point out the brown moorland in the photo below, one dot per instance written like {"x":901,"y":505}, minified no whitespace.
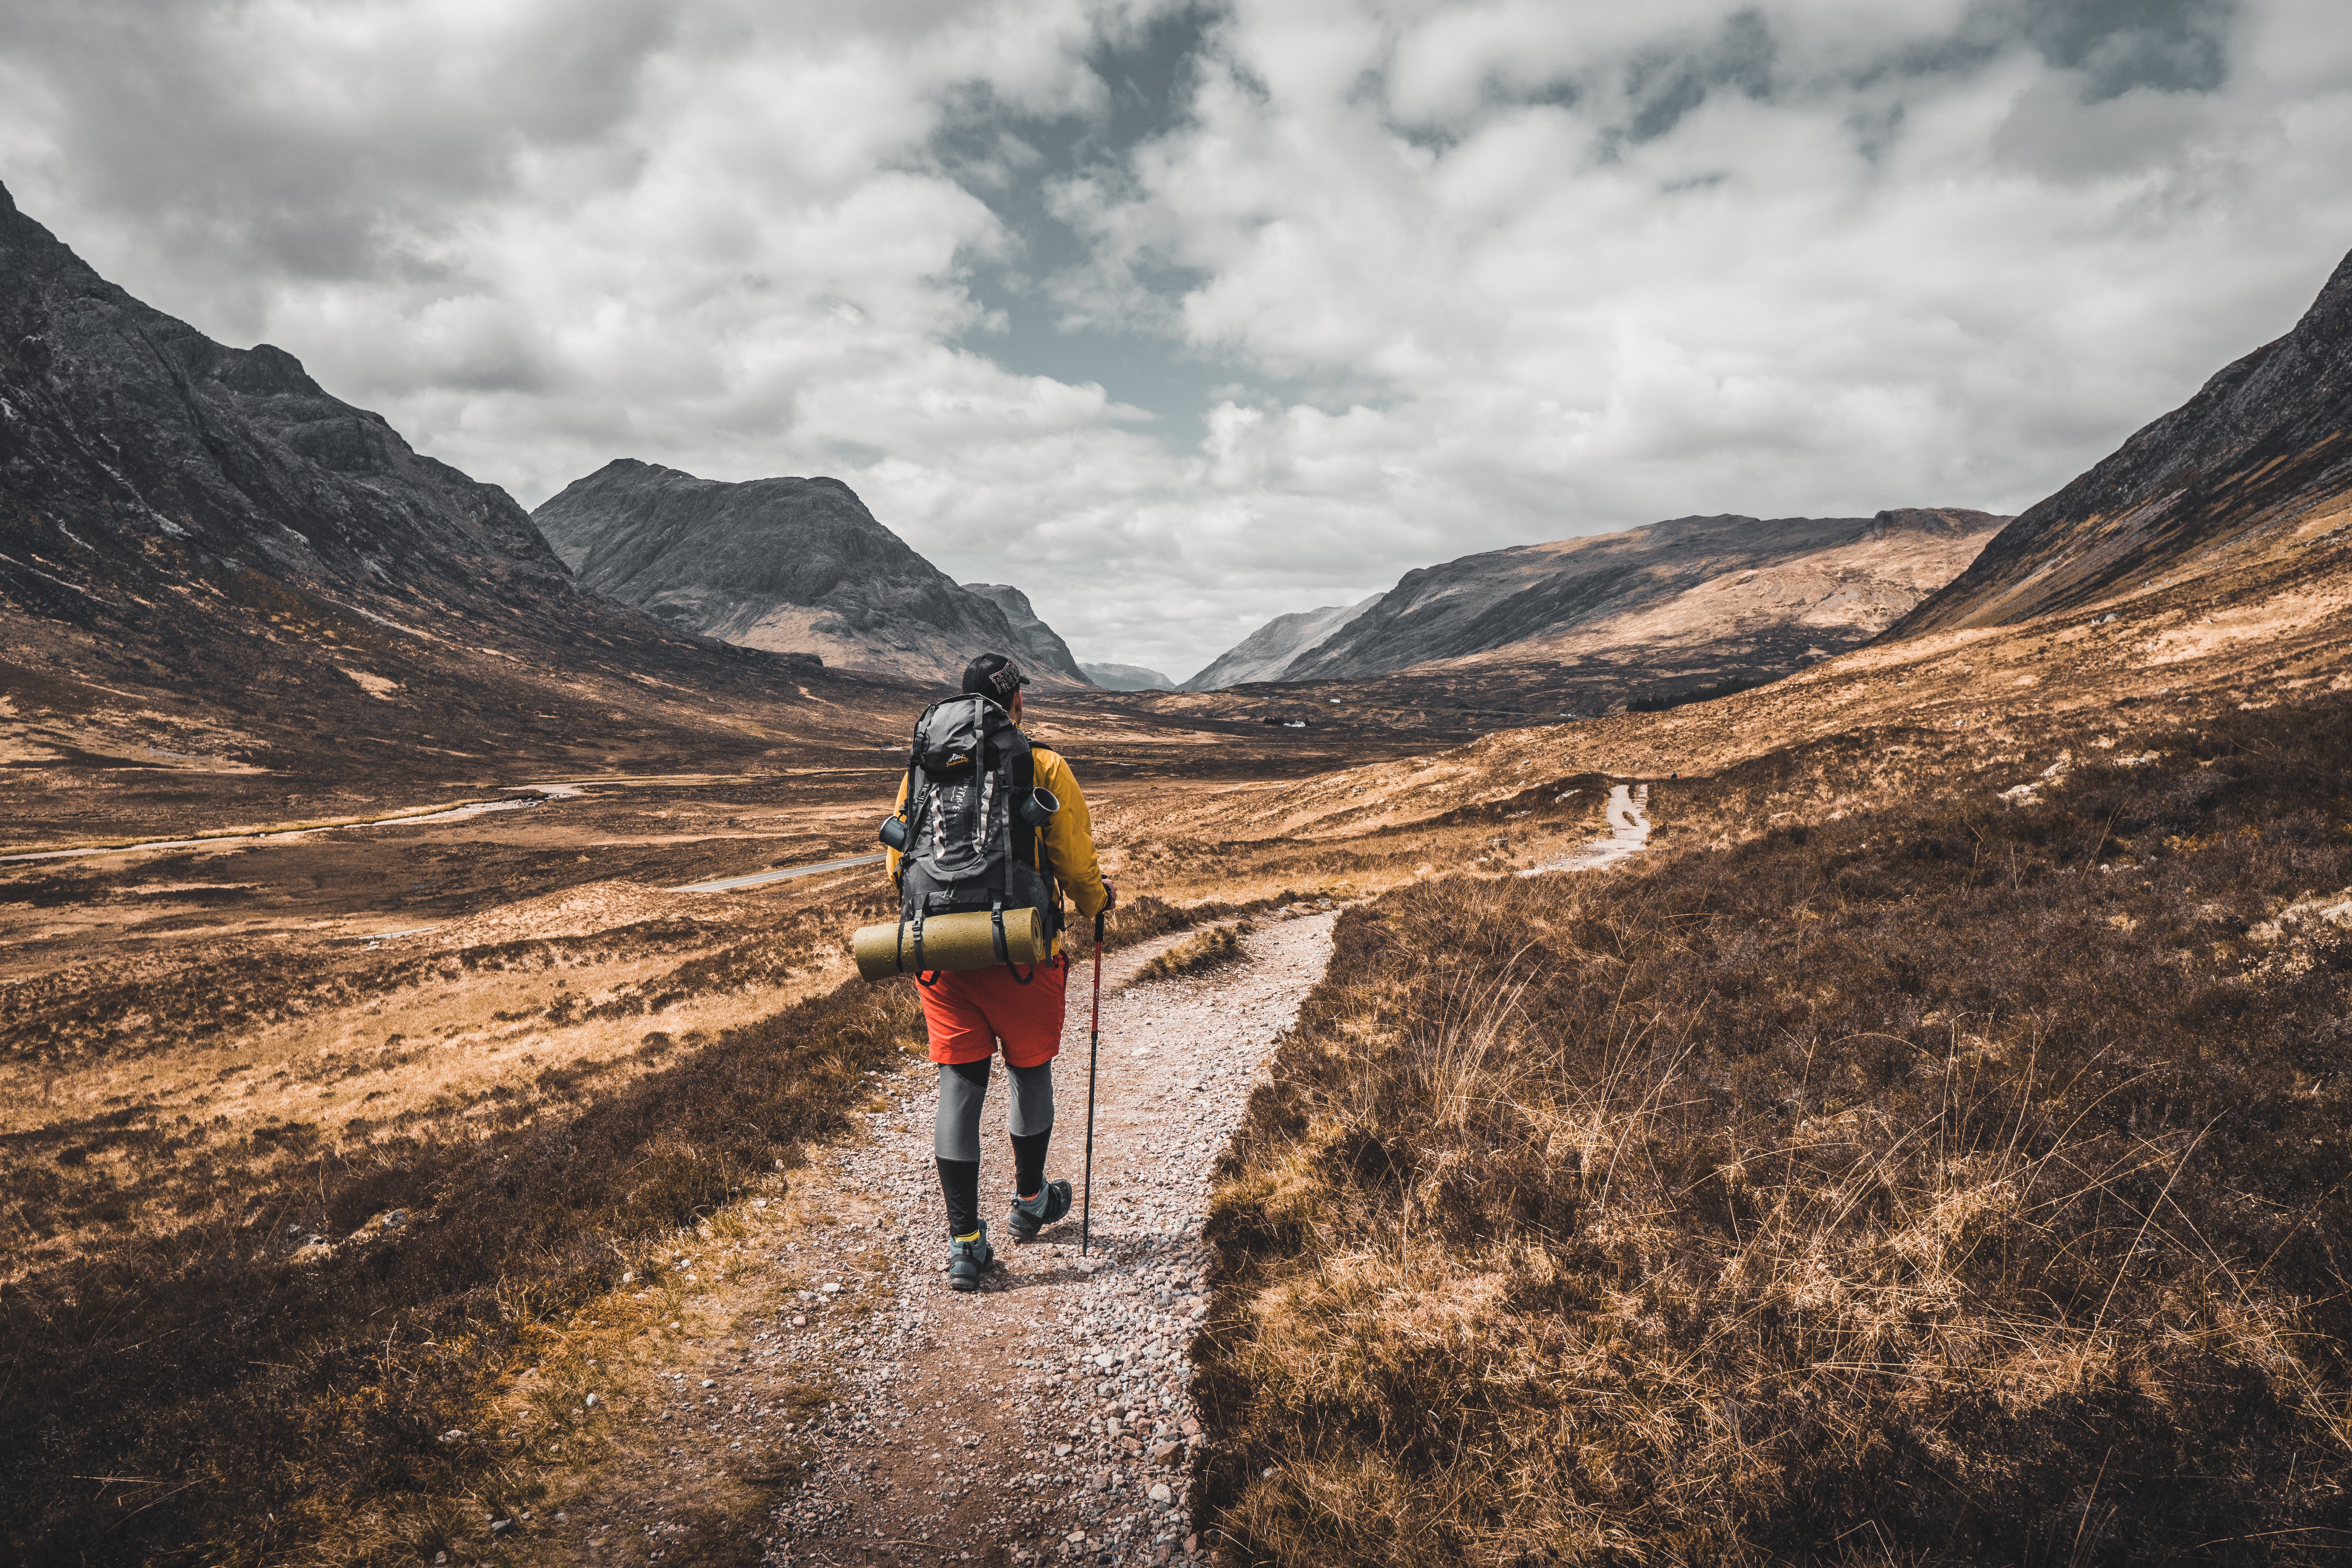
{"x":227,"y":1064}
{"x":1953,"y":1180}
{"x":1863,"y":1162}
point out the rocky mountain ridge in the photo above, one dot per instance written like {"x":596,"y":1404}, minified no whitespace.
{"x":1268,"y":652}
{"x":2259,"y":459}
{"x":1046,"y":649}
{"x":785,"y":564}
{"x":1127,"y":678}
{"x":207,"y":560}
{"x":1611,"y":617}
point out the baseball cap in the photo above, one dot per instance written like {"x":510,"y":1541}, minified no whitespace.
{"x":994,"y":676}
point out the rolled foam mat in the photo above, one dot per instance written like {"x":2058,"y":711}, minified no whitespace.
{"x":951,"y":941}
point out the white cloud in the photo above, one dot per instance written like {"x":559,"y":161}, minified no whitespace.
{"x":1477,"y":273}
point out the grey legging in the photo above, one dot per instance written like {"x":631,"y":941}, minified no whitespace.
{"x":955,"y":1134}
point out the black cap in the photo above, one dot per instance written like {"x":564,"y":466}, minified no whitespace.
{"x":992,"y":674}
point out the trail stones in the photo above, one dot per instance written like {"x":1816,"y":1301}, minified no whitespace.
{"x":1093,"y":1410}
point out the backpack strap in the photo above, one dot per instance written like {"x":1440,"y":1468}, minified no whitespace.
{"x":1003,"y":953}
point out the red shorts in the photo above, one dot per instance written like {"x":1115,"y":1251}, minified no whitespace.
{"x":969,"y":1010}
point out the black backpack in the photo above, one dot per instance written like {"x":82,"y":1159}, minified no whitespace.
{"x":970,"y":835}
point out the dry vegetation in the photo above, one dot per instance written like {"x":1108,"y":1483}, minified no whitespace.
{"x":227,"y":1390}
{"x":1212,"y":949}
{"x":1868,"y":1174}
{"x":1952,"y":1182}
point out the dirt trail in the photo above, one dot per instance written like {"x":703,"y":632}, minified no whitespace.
{"x":821,"y":1348}
{"x":1628,"y":814}
{"x":1044,"y":1414}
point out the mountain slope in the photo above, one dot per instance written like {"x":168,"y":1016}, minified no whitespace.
{"x":1267,"y":652}
{"x":207,"y":562}
{"x":2256,"y":461}
{"x":1044,"y":646}
{"x":1127,"y":678}
{"x":788,"y":564}
{"x":169,"y":452}
{"x":1771,"y":589}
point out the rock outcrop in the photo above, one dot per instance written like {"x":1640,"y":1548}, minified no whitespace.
{"x":2261,"y":451}
{"x":788,"y":564}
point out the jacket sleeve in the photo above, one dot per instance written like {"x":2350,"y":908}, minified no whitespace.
{"x":1070,"y":836}
{"x":890,"y":856}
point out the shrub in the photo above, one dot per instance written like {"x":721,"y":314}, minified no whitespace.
{"x":1906,"y":1183}
{"x":1212,"y":949}
{"x":261,"y":1404}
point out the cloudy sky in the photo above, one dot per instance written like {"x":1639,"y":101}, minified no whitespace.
{"x":1184,"y":315}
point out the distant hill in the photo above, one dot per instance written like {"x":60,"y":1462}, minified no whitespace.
{"x":1266,"y":653}
{"x":206,"y":559}
{"x":1638,"y":615}
{"x":788,"y":565}
{"x":1127,"y":678}
{"x":1043,"y":645}
{"x":2257,"y":459}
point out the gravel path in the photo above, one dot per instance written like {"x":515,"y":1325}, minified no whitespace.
{"x":1628,"y":814}
{"x":1044,"y":1415}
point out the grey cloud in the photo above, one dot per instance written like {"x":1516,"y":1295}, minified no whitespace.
{"x":261,"y":162}
{"x":1669,"y":85}
{"x":1156,"y":310}
{"x":2053,"y":132}
{"x":2172,"y":45}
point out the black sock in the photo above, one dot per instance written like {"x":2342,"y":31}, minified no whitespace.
{"x":960,"y":1185}
{"x":1029,"y":1162}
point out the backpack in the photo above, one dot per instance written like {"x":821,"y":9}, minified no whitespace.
{"x":970,"y":836}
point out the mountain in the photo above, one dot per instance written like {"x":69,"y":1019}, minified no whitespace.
{"x":207,"y":560}
{"x":1267,"y":652}
{"x":1777,"y":587}
{"x":1648,"y":615}
{"x":136,"y":451}
{"x":2257,"y":460}
{"x":788,"y":565}
{"x":1043,"y":645}
{"x":1127,"y":678}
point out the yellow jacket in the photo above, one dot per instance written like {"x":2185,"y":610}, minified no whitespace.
{"x":1069,"y":835}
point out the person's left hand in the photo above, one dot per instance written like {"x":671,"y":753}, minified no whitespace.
{"x":1110,"y":896}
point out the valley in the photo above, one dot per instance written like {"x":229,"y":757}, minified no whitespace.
{"x":1750,"y":1073}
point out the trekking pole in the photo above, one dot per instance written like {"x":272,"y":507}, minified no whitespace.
{"x":1094,"y":1044}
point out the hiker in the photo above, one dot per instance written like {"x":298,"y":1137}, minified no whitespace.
{"x":970,"y":1014}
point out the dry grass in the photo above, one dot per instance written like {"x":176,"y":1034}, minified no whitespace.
{"x":1905,"y":1187}
{"x":1212,"y":949}
{"x":206,"y":1393}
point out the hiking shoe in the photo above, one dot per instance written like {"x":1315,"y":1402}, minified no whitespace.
{"x":1037,"y":1213}
{"x":968,"y":1261}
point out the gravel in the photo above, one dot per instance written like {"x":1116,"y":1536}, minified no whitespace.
{"x":1047,"y":1411}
